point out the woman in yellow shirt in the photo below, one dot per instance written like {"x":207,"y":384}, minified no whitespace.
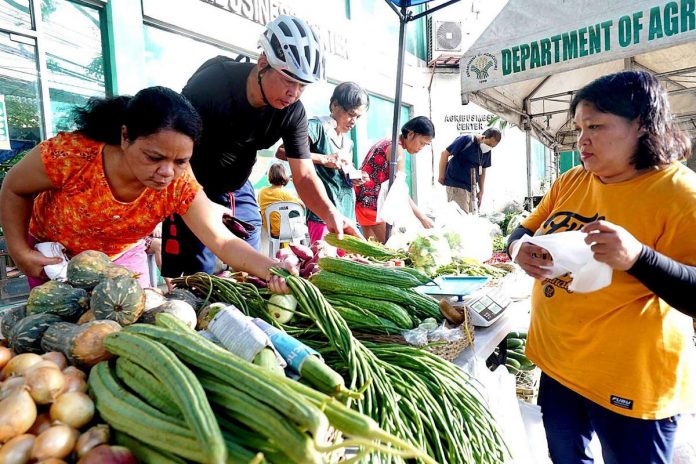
{"x":278,"y":179}
{"x":618,"y":361}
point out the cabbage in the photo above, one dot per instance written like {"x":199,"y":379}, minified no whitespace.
{"x":428,"y":252}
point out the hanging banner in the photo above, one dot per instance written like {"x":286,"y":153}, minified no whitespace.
{"x":4,"y":126}
{"x":570,"y":35}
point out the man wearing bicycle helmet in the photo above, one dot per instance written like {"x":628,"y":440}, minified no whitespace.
{"x":245,"y":108}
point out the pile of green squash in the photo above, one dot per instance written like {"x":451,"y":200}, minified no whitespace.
{"x":73,"y":317}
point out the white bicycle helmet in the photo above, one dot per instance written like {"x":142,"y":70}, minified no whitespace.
{"x":292,"y":47}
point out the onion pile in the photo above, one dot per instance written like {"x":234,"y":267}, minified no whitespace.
{"x":43,"y":408}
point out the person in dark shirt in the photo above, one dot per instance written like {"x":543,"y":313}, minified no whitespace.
{"x":246,"y":108}
{"x":467,"y":153}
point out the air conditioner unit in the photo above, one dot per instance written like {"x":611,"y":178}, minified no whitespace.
{"x":446,"y":36}
{"x":444,"y":39}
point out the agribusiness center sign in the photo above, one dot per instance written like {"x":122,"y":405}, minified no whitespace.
{"x":639,"y":28}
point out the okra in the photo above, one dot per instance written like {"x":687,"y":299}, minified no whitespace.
{"x":331,"y":282}
{"x":389,"y":310}
{"x":253,"y":380}
{"x":264,"y":420}
{"x":128,"y":414}
{"x":178,"y":381}
{"x":146,"y":386}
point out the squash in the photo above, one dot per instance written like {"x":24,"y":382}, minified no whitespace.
{"x":83,"y":345}
{"x":10,"y":319}
{"x":120,"y":299}
{"x":116,"y":270}
{"x":57,"y":298}
{"x":87,"y":316}
{"x":86,"y":269}
{"x":26,"y":335}
{"x":177,"y":308}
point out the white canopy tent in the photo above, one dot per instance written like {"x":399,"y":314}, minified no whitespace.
{"x":536,"y":54}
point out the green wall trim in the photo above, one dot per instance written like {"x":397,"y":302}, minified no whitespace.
{"x":569,"y":159}
{"x":107,"y":48}
{"x":126,"y":44}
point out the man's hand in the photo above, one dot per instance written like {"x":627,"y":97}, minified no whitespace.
{"x":32,"y":262}
{"x":612,"y":244}
{"x":441,"y":179}
{"x":426,"y":222}
{"x":479,"y":198}
{"x":338,"y":224}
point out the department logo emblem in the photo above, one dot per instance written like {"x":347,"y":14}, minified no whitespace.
{"x":480,"y":66}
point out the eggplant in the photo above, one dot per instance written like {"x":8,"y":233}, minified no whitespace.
{"x":303,"y":252}
{"x":235,"y":227}
{"x":309,"y":270}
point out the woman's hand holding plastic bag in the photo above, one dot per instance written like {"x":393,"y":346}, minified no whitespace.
{"x":393,"y":203}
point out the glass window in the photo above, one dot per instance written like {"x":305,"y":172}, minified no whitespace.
{"x":379,"y":126}
{"x":74,"y":57}
{"x":15,"y":14}
{"x":170,"y":58}
{"x":383,"y":25}
{"x":20,"y":90}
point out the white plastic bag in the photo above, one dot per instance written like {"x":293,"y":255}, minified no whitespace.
{"x":571,"y":254}
{"x":401,"y":237}
{"x":468,"y":235}
{"x":685,"y":441}
{"x":54,"y":250}
{"x":498,"y":391}
{"x":536,"y":434}
{"x":393,"y":204}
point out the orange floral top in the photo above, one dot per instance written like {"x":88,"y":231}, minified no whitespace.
{"x":82,"y":213}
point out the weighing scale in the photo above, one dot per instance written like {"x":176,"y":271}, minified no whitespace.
{"x":485,"y":305}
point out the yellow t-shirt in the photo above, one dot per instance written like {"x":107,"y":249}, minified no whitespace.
{"x":622,"y":347}
{"x":268,"y":195}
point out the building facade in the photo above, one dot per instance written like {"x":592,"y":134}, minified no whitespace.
{"x":56,"y":54}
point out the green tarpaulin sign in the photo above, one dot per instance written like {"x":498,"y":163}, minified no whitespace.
{"x":570,"y":35}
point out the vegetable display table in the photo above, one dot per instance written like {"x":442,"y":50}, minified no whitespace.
{"x":486,"y":339}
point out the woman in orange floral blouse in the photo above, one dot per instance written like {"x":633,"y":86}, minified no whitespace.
{"x":108,"y":184}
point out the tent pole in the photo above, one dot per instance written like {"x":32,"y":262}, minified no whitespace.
{"x":528,"y":134}
{"x":403,"y":19}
